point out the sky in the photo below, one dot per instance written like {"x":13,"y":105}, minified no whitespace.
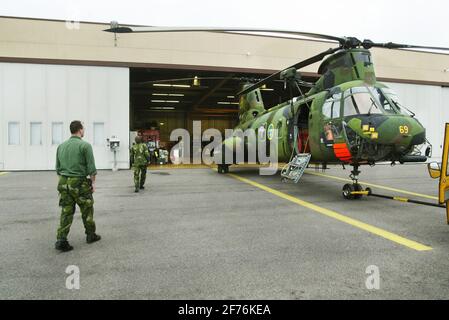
{"x":418,"y":22}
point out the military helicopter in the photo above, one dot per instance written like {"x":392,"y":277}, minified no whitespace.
{"x":347,"y":117}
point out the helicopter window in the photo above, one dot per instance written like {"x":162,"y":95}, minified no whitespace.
{"x":349,"y":108}
{"x":360,"y":101}
{"x":279,"y":127}
{"x":362,"y":56}
{"x":262,"y":131}
{"x":336,"y":109}
{"x":331,"y":108}
{"x":327,"y":109}
{"x":381,"y":98}
{"x":395,"y":102}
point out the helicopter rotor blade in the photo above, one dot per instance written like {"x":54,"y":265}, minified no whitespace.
{"x":218,"y":29}
{"x":298,"y":65}
{"x":198,"y":78}
{"x":367,"y":44}
{"x":345,"y":42}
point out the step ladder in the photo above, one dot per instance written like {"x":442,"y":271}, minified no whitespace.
{"x":294,"y":169}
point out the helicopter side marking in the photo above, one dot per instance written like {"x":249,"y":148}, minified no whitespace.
{"x":342,"y":152}
{"x":338,"y":216}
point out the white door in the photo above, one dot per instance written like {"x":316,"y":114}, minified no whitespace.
{"x":39,"y":101}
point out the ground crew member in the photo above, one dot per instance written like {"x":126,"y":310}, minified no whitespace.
{"x":140,"y":156}
{"x":74,"y":164}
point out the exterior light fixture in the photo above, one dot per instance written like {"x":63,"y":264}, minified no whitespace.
{"x":162,"y":108}
{"x":227,"y":102}
{"x":196,"y":81}
{"x":171,"y":85}
{"x":165,"y":101}
{"x":264,"y":88}
{"x":168,"y":94}
{"x":161,"y":85}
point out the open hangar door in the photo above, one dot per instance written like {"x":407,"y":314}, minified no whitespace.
{"x":161,"y":106}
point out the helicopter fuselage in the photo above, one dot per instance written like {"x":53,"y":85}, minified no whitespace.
{"x":347,"y":117}
{"x":352,"y":123}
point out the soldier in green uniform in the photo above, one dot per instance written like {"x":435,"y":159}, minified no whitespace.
{"x":140,"y":156}
{"x":74,"y":164}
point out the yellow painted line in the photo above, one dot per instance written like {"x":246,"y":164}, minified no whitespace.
{"x":374,"y":185}
{"x":174,"y":166}
{"x":3,"y":173}
{"x":335,"y":215}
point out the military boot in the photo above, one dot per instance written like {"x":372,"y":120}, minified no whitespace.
{"x":92,"y":237}
{"x":63,"y":245}
{"x":142,"y":187}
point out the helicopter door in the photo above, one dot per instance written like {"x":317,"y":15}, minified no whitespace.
{"x":331,"y":130}
{"x":302,"y":138}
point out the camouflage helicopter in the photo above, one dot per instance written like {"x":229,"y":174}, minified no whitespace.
{"x":347,"y":117}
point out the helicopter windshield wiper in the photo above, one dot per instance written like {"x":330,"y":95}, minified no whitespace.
{"x":412,"y":114}
{"x":372,"y":104}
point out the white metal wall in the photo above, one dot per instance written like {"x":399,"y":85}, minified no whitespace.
{"x":431,"y":106}
{"x":49,"y":94}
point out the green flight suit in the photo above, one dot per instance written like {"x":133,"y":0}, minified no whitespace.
{"x":140,"y":156}
{"x":74,"y":162}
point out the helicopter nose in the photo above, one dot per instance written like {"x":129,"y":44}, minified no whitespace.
{"x":400,"y":131}
{"x":386,"y":136}
{"x":403,"y":132}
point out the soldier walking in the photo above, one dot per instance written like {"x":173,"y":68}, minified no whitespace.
{"x":140,"y":156}
{"x":75,"y":166}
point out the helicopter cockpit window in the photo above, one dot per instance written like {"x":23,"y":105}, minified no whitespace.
{"x":381,"y":98}
{"x":362,"y":56}
{"x":359,"y":100}
{"x":331,"y":108}
{"x":396,"y":104}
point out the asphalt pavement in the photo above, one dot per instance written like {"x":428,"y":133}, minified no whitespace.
{"x":196,"y":234}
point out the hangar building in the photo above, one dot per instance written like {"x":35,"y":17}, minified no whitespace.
{"x":52,"y":72}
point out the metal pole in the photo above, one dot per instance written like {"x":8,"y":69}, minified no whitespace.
{"x":114,"y":167}
{"x":447,"y":211}
{"x":408,"y":200}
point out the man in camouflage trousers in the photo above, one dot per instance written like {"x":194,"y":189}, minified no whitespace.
{"x":140,"y":156}
{"x":74,"y":163}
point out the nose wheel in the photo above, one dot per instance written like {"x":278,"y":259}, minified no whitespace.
{"x":353,"y":191}
{"x":350,"y":191}
{"x":223,"y":168}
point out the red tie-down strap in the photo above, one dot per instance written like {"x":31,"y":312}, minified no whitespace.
{"x":342,"y":152}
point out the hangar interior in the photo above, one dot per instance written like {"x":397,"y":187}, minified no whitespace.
{"x":167,"y":99}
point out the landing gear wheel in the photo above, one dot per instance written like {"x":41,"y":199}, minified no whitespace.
{"x":357,"y":187}
{"x":347,"y":191}
{"x":223,"y":168}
